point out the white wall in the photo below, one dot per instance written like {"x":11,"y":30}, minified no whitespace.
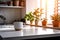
{"x":31,"y":5}
{"x":10,"y":14}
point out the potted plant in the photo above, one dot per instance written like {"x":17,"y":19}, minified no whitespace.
{"x":37,"y":14}
{"x":56,"y":19}
{"x":44,"y":22}
{"x":29,"y":17}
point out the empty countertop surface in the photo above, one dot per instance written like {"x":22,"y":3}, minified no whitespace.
{"x":29,"y":32}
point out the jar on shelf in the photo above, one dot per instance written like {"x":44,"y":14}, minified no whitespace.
{"x":22,"y":3}
{"x":11,"y":3}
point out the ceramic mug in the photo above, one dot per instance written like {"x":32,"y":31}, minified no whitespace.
{"x":18,"y":25}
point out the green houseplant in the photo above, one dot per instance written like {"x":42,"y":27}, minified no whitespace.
{"x":29,"y":17}
{"x":56,"y":20}
{"x":37,"y":14}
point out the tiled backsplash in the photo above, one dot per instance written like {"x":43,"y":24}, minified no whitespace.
{"x":10,"y":14}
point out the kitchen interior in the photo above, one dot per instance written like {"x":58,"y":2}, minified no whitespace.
{"x":12,"y":11}
{"x":15,"y":10}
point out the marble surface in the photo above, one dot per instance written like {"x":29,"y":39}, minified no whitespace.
{"x":27,"y":31}
{"x":7,"y":26}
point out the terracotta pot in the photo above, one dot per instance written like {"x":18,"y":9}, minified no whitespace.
{"x":44,"y":22}
{"x":55,"y":23}
{"x":22,"y":3}
{"x":59,"y":24}
{"x":16,"y":2}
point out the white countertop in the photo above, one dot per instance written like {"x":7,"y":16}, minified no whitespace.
{"x":27,"y":31}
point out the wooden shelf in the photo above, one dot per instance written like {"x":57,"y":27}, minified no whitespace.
{"x":11,"y":7}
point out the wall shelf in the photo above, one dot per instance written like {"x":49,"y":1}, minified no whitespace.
{"x":11,"y":7}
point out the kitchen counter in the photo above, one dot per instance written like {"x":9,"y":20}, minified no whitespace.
{"x":28,"y":33}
